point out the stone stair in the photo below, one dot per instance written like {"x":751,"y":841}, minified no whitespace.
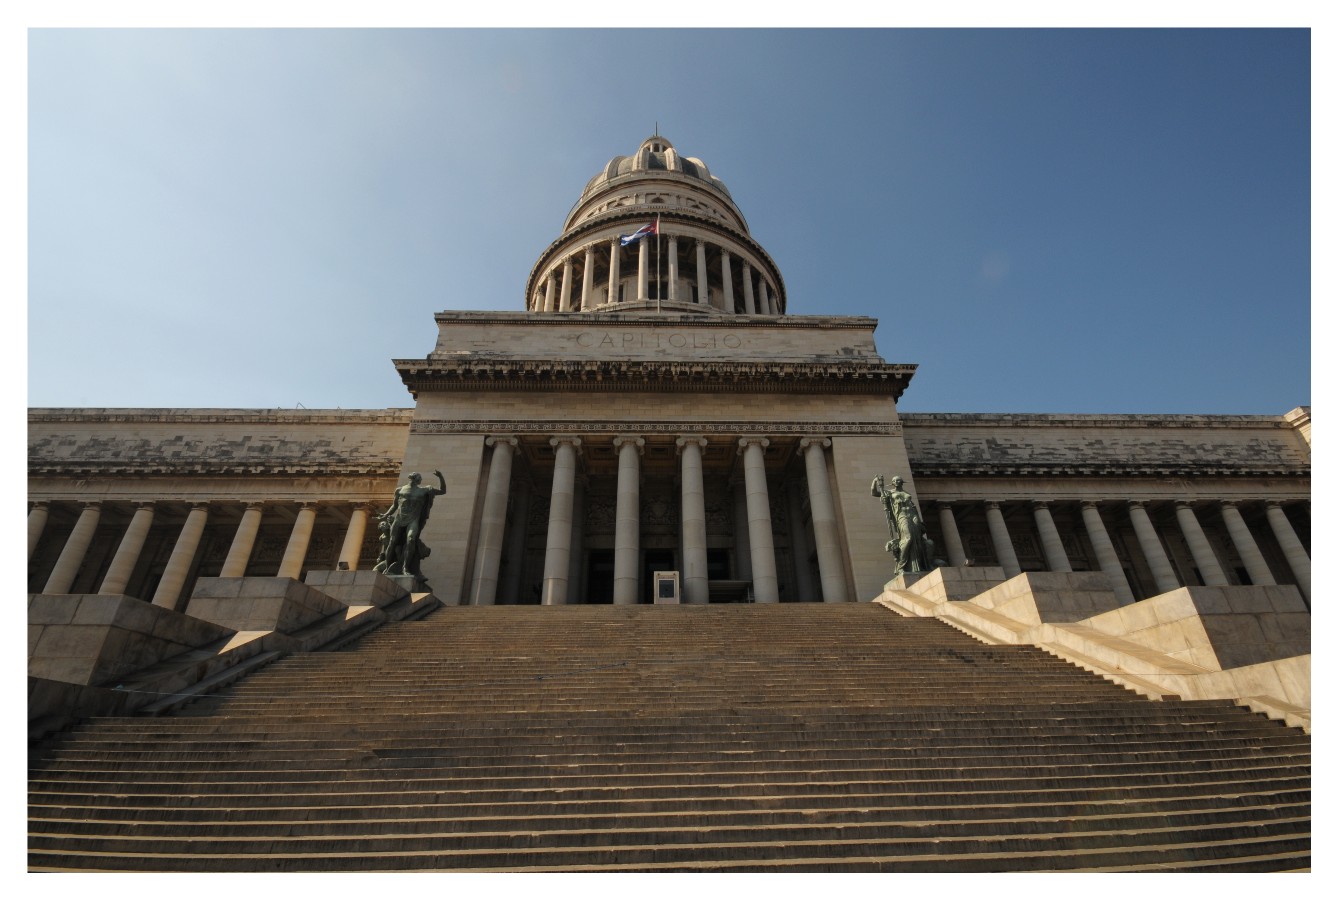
{"x":793,"y":737}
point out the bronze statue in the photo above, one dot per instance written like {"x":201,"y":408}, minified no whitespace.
{"x":399,"y":526}
{"x":910,"y":546}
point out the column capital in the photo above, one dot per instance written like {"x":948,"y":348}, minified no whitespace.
{"x":572,"y":439}
{"x":992,"y":504}
{"x":807,"y":442}
{"x":41,"y":504}
{"x":1231,"y":503}
{"x":495,"y":439}
{"x":724,"y":251}
{"x":1136,"y":504}
{"x":636,"y":440}
{"x":1091,"y":504}
{"x":92,"y":504}
{"x":1040,"y":504}
{"x":1184,"y":504}
{"x":145,"y":504}
{"x":747,"y":440}
{"x":684,"y":440}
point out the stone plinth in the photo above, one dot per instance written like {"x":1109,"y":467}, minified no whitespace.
{"x":949,"y":582}
{"x":260,"y":604}
{"x":1216,"y":627}
{"x":93,"y":639}
{"x":366,"y":588}
{"x":1035,"y":597}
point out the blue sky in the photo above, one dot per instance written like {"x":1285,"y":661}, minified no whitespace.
{"x":1086,"y":221}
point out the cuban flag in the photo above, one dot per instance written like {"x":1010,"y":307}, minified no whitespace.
{"x":643,"y":231}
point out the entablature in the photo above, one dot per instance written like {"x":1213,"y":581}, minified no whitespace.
{"x":654,"y":375}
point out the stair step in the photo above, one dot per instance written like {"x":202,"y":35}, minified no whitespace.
{"x":795,"y":737}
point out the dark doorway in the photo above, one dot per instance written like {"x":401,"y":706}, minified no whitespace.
{"x":599,"y":580}
{"x":717,"y":564}
{"x":654,"y":561}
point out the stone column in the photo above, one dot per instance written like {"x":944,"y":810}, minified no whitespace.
{"x":768,"y":304}
{"x":831,"y":568}
{"x":1003,"y":544}
{"x":1051,"y":545}
{"x":748,"y":305}
{"x":183,"y":554}
{"x":673,"y":267}
{"x":807,"y":583}
{"x":1105,"y":552}
{"x":351,"y":551}
{"x":643,"y":269}
{"x":952,"y":538}
{"x":575,"y":583}
{"x":518,"y":523}
{"x":703,"y":281}
{"x":72,"y":555}
{"x":564,"y":302}
{"x":296,"y":551}
{"x":1291,"y":546}
{"x":743,"y":556}
{"x":1210,"y":570}
{"x":627,"y":528}
{"x":1245,"y":545}
{"x":239,"y":553}
{"x":696,"y":588}
{"x":550,"y":292}
{"x":615,"y":262}
{"x":1153,"y":552}
{"x":588,"y":279}
{"x":492,"y":525}
{"x":37,"y":517}
{"x":766,"y":587}
{"x":727,"y":281}
{"x":557,"y":556}
{"x":127,"y":552}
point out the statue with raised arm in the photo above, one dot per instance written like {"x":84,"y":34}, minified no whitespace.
{"x":401,"y":550}
{"x":910,"y":546}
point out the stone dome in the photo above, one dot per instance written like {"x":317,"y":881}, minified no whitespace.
{"x":654,"y":155}
{"x":702,"y":260}
{"x":657,"y":159}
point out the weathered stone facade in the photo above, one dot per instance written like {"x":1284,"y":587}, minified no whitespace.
{"x":654,"y":408}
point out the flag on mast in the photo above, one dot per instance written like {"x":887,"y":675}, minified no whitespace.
{"x":643,"y":231}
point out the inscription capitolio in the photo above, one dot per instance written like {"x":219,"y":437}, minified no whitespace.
{"x":656,"y":340}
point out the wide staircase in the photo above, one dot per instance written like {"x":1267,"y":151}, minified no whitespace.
{"x":794,"y":737}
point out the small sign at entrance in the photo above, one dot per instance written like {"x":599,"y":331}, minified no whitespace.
{"x":666,"y":587}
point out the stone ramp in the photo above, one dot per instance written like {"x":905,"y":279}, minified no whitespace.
{"x":715,"y":738}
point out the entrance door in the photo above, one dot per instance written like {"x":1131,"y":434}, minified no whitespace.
{"x":599,"y":581}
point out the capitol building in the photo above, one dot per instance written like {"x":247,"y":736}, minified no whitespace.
{"x":651,"y":426}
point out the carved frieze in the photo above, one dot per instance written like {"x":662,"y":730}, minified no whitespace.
{"x":572,"y":426}
{"x":655,"y":374}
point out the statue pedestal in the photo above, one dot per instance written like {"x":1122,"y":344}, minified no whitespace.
{"x":411,"y":583}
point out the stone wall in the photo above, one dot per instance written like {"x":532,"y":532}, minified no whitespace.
{"x":215,"y":441}
{"x":944,"y":444}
